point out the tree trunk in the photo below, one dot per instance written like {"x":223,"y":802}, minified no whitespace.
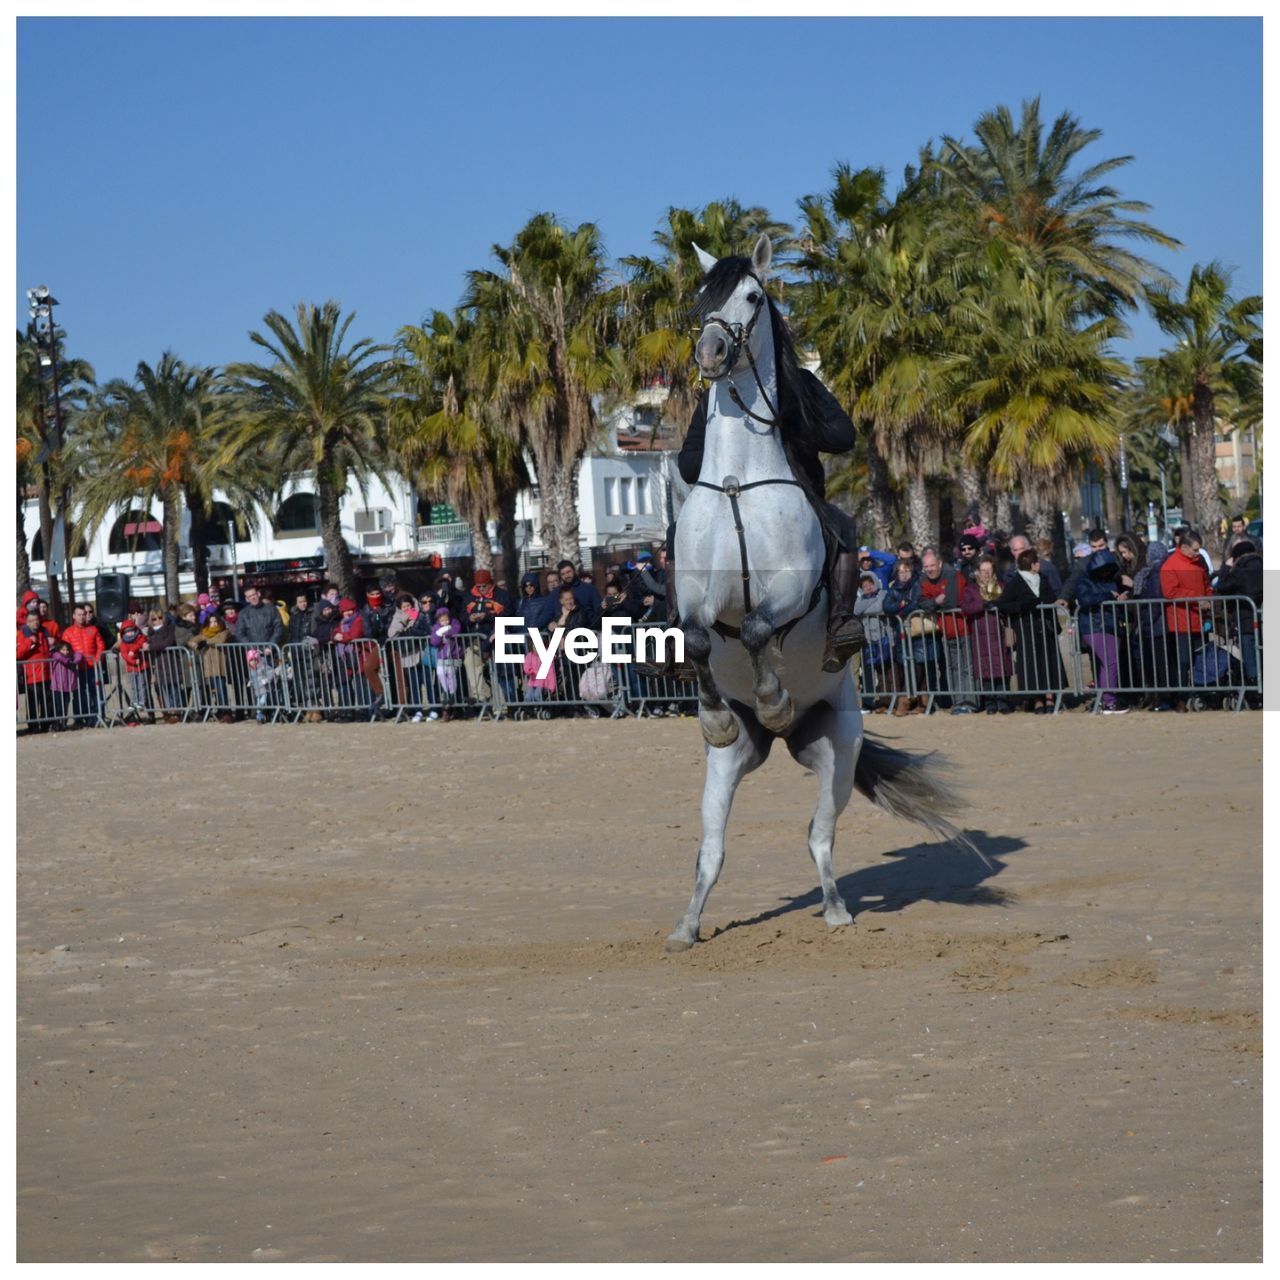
{"x":172,"y":530}
{"x":24,"y":559}
{"x":949,"y":528}
{"x":481,"y":551}
{"x":507,"y":541}
{"x":199,"y":540}
{"x":548,"y":514}
{"x":1061,"y":552}
{"x":1004,"y":512}
{"x":1186,"y":474}
{"x":1204,"y":471}
{"x":564,"y":480}
{"x":879,"y":496}
{"x":1110,"y":501}
{"x":1040,"y":523}
{"x":339,"y":565}
{"x":919,"y":516}
{"x":973,"y":489}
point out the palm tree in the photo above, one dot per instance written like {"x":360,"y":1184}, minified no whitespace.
{"x":40,"y":463}
{"x":657,"y":298}
{"x":881,"y":278}
{"x":446,"y":438}
{"x":1213,"y":369}
{"x":317,"y":407}
{"x":152,"y":440}
{"x":1016,"y":191}
{"x":1036,"y":384}
{"x":543,"y":327}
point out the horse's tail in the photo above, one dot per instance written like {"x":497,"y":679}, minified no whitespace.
{"x":907,"y":786}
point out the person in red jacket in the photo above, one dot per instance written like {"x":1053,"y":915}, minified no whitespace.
{"x":86,"y":640}
{"x":1184,"y":577}
{"x":132,"y":644}
{"x":34,"y":647}
{"x":48,"y":621}
{"x":943,"y":589}
{"x":350,"y":642}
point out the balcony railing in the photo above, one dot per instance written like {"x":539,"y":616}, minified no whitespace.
{"x":435,"y":534}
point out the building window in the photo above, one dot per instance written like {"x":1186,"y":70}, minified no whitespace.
{"x":134,"y":531}
{"x":221,"y":514}
{"x":644,"y":505}
{"x":298,"y":516}
{"x":611,"y":507}
{"x":628,"y":496}
{"x":77,"y":540}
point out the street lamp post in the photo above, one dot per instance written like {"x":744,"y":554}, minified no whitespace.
{"x":1124,"y":487}
{"x":41,"y":305}
{"x":231,"y":542}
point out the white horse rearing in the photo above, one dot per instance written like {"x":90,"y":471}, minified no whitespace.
{"x":749,"y":555}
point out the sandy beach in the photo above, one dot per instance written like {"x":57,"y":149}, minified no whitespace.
{"x":387,"y":993}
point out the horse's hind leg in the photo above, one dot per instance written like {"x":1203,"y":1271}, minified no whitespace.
{"x":719,"y":724}
{"x":726,"y":767}
{"x":827,"y":743}
{"x":774,"y":708}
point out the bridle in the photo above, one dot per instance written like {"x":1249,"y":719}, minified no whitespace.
{"x":739,"y":336}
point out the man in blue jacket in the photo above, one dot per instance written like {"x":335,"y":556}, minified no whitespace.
{"x":584,"y":593}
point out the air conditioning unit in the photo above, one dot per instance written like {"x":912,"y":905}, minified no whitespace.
{"x":374,"y":529}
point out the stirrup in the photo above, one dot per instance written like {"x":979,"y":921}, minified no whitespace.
{"x":845,"y":639}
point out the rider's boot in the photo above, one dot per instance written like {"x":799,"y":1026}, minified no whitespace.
{"x":844,"y":631}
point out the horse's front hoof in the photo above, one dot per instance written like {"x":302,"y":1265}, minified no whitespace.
{"x":677,"y":943}
{"x":837,"y":919}
{"x":777,"y":716}
{"x":719,"y":728}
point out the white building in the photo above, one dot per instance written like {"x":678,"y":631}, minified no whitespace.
{"x":622,"y":502}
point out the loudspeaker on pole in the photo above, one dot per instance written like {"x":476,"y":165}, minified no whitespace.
{"x":111,"y":596}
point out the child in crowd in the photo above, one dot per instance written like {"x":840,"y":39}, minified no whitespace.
{"x":262,"y":678}
{"x":64,"y":677}
{"x":444,"y":640}
{"x":132,"y":644}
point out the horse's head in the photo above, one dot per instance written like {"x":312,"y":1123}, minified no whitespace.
{"x":728,"y":308}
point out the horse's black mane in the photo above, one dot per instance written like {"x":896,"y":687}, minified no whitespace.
{"x":799,"y":408}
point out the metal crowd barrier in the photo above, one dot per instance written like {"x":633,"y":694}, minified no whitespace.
{"x":878,"y":669}
{"x":337,"y":682}
{"x":166,"y":683}
{"x":42,"y":706}
{"x":597,"y":689}
{"x":239,"y":679}
{"x":421,"y":678}
{"x":1200,"y":652}
{"x":990,"y":660}
{"x":1197,"y":651}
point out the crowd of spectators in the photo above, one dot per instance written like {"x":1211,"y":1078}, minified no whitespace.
{"x":331,"y":653}
{"x":987,"y":629}
{"x":992,"y":629}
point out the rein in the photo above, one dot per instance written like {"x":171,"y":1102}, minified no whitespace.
{"x":739,"y":339}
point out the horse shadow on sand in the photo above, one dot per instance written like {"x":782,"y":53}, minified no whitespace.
{"x":927,"y":872}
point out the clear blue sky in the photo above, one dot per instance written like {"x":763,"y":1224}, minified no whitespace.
{"x":178,"y":178}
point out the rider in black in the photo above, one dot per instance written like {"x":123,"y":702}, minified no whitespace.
{"x":834,"y":433}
